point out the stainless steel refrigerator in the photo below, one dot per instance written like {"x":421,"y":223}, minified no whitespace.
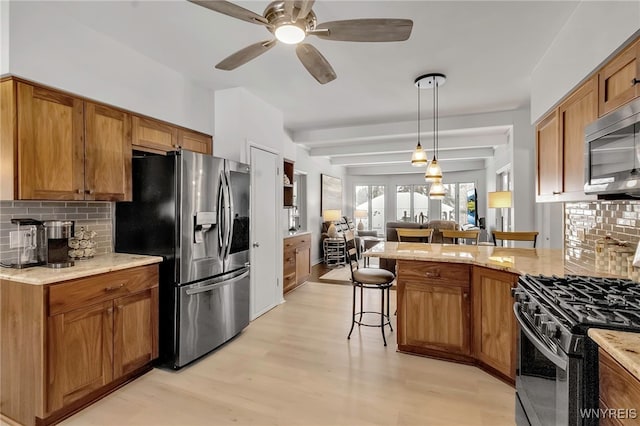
{"x":193,"y":210}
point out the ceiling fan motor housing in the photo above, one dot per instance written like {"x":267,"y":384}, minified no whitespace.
{"x":276,"y":15}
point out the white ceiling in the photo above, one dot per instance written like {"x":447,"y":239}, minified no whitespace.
{"x":486,"y":49}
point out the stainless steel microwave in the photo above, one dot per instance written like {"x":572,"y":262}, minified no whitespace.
{"x":612,"y":154}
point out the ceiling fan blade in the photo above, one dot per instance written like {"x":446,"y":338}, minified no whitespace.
{"x":298,"y":9}
{"x":232,"y":10}
{"x":315,"y":63}
{"x":372,"y":30}
{"x":243,"y":56}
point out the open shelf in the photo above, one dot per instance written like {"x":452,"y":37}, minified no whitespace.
{"x":287,"y":198}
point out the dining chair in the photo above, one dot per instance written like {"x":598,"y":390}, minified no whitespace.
{"x":456,"y":235}
{"x":414,"y":234}
{"x":515,"y":236}
{"x":367,"y":278}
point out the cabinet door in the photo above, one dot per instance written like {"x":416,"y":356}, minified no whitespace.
{"x":135,"y":331}
{"x":435,"y":317}
{"x":549,"y":158}
{"x":619,"y":389}
{"x":579,"y":110}
{"x":50,"y":145}
{"x":196,"y":142}
{"x":80,"y":353}
{"x":494,"y":325}
{"x":153,"y":135}
{"x":289,"y":269}
{"x":303,"y":264}
{"x":618,"y":80}
{"x":107,"y":154}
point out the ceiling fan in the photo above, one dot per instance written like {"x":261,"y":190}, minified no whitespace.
{"x":292,"y":20}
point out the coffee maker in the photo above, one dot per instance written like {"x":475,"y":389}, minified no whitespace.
{"x":30,"y":242}
{"x":58,"y":233}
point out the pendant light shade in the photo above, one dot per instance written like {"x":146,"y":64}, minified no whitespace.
{"x":437,"y":191}
{"x":433,"y":174}
{"x":419,"y":157}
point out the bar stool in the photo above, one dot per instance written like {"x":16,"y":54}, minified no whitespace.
{"x":472,"y":235}
{"x":414,"y":235}
{"x":515,"y":236}
{"x":367,"y":278}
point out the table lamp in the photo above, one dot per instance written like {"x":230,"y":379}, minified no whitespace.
{"x":500,"y":200}
{"x":331,"y":216}
{"x":361,"y":214}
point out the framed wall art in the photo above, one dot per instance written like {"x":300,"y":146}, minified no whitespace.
{"x":331,"y":193}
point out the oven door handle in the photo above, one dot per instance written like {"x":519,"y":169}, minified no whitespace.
{"x":544,"y":349}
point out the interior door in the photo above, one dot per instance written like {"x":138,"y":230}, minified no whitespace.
{"x":265,"y":189}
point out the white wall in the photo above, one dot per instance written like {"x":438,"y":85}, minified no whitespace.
{"x":4,"y":37}
{"x":592,"y":33}
{"x":54,"y":49}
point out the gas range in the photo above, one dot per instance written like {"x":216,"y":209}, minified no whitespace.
{"x":562,"y":309}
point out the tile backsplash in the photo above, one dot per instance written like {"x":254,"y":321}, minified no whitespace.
{"x":586,"y":222}
{"x":97,"y":216}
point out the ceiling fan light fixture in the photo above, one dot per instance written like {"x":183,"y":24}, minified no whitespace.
{"x":290,"y":34}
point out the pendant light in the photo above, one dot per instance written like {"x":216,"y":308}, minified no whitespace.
{"x":434,"y":171}
{"x":419,"y":157}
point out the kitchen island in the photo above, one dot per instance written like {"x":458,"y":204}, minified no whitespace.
{"x":455,"y":303}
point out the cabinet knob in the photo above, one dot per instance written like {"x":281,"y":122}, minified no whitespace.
{"x":465,"y":295}
{"x":109,"y":310}
{"x":78,"y":191}
{"x":113,"y":288}
{"x":89,"y":191}
{"x":256,"y":244}
{"x":557,"y":192}
{"x":432,"y":274}
{"x":635,"y":81}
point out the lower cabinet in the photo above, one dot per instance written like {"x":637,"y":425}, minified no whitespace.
{"x":88,"y":336}
{"x":458,"y":312}
{"x":619,"y":392}
{"x":296,"y":261}
{"x":433,"y":308}
{"x":494,"y":325}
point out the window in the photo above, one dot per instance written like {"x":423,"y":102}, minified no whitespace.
{"x":371,"y":199}
{"x":412,"y":203}
{"x":454,"y":204}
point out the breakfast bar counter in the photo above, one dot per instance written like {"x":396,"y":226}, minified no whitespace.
{"x":536,"y":261}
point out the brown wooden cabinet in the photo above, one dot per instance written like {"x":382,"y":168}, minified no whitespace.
{"x":619,"y":79}
{"x":159,"y":137}
{"x":296,"y":261}
{"x":619,"y":391}
{"x":64,"y":148}
{"x":494,"y":325}
{"x":83,"y":338}
{"x":560,"y":146}
{"x":434,"y":309}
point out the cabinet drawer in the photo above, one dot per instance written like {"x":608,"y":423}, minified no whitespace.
{"x":99,"y":288}
{"x":434,"y":273}
{"x":619,"y":389}
{"x":299,"y":241}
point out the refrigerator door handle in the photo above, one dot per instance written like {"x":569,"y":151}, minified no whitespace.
{"x":216,"y":285}
{"x":221,"y":218}
{"x":230,"y":214}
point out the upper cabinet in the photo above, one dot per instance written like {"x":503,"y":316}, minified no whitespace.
{"x":159,"y":137}
{"x":64,"y":148}
{"x":59,"y":146}
{"x":619,"y":79}
{"x":560,"y":146}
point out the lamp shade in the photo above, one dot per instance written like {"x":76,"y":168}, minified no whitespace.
{"x":361,"y":214}
{"x":499,"y":199}
{"x":331,"y":215}
{"x":437,"y":191}
{"x":434,"y":172}
{"x":419,"y":157}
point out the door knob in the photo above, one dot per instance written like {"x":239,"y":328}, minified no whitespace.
{"x":256,"y":244}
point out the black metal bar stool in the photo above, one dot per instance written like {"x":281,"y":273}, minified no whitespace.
{"x":367,"y":278}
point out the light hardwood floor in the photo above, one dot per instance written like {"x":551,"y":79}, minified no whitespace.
{"x":294,"y":366}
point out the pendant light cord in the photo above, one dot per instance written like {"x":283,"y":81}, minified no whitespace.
{"x":419,"y":114}
{"x":435,"y":120}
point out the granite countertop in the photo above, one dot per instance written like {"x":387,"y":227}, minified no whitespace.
{"x":100,"y":264}
{"x":623,"y":346}
{"x":289,"y":234}
{"x":534,"y":261}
